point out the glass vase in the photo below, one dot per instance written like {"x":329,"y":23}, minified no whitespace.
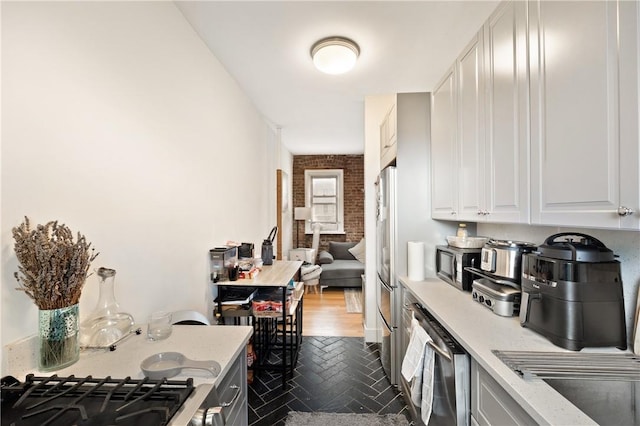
{"x":106,"y":324}
{"x":58,"y":336}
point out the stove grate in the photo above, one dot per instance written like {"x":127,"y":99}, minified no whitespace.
{"x":91,"y":401}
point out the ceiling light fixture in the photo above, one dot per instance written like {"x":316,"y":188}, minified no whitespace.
{"x":335,"y":55}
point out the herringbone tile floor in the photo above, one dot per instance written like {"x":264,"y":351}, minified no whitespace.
{"x":333,"y":374}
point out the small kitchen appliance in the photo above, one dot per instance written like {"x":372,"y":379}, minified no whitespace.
{"x":503,"y":258}
{"x":503,"y":300}
{"x":222,"y":258}
{"x":572,"y":293}
{"x":451,"y":263}
{"x":245,"y":251}
{"x":497,"y":286}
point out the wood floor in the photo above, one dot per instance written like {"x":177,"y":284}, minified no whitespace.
{"x":325,"y":314}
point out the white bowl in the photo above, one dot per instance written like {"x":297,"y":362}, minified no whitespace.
{"x":468,"y":242}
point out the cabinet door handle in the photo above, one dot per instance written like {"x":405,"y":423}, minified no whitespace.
{"x":624,"y":211}
{"x":235,"y":396}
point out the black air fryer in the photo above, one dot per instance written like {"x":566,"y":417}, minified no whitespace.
{"x":572,"y":293}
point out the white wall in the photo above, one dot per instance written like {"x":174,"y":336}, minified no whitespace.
{"x":118,"y":121}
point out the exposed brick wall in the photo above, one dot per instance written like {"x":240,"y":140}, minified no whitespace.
{"x":353,"y":166}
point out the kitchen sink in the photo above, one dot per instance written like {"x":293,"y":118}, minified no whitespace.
{"x":604,"y":386}
{"x":606,"y":402}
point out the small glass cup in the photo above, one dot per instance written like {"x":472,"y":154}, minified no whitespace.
{"x":159,"y":327}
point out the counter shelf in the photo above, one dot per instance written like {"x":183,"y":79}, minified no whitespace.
{"x":277,"y":341}
{"x":277,"y":335}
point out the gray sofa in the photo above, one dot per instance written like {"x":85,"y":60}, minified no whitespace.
{"x":339,"y":267}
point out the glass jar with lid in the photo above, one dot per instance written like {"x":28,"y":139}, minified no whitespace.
{"x":462,"y":231}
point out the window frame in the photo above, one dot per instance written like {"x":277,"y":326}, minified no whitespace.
{"x":309,"y":175}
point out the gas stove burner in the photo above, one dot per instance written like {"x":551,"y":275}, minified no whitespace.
{"x":92,"y":402}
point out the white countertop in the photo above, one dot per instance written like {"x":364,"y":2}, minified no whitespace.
{"x":220,"y":343}
{"x":480,"y":331}
{"x":276,"y":275}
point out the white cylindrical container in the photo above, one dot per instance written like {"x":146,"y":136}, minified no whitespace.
{"x":415,"y":259}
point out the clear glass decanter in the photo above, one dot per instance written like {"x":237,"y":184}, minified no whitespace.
{"x":106,"y":324}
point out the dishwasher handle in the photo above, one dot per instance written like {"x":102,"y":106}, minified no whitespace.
{"x":439,"y":351}
{"x":433,"y":334}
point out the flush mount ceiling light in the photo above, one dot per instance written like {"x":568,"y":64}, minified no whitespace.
{"x":335,"y":55}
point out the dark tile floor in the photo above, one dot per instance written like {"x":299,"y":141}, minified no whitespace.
{"x":333,"y":374}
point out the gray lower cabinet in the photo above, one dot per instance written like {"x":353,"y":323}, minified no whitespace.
{"x":232,"y":392}
{"x":491,"y":404}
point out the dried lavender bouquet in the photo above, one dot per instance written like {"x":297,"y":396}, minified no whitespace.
{"x":53,"y":268}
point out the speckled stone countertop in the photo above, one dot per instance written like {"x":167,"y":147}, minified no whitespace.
{"x":220,"y":343}
{"x":480,"y":331}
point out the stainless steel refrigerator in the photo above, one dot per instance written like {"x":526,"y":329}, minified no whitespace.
{"x":387,"y":292}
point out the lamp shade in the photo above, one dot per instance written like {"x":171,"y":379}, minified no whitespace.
{"x":302,"y":213}
{"x":335,"y":55}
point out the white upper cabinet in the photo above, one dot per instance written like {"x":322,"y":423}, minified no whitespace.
{"x":584,"y":111}
{"x":470,"y":137}
{"x":537,"y":120}
{"x":388,"y":138}
{"x":444,"y":172}
{"x":506,"y":176}
{"x":490,"y":145}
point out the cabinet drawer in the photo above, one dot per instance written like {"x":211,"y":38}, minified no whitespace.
{"x":233,"y":390}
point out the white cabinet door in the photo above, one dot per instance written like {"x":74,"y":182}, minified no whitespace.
{"x":629,"y":114}
{"x":583,"y":95}
{"x":388,"y":148}
{"x":470,"y":138}
{"x":491,"y":113}
{"x":392,"y":127}
{"x":443,"y":149}
{"x":491,"y":405}
{"x":384,"y":130}
{"x":507,"y":144}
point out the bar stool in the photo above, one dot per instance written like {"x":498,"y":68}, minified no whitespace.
{"x":189,"y":318}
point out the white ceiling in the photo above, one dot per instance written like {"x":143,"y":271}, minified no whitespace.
{"x":264,"y":45}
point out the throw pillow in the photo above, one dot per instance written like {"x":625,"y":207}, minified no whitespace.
{"x":358,"y":251}
{"x":340,"y":249}
{"x":325,"y":257}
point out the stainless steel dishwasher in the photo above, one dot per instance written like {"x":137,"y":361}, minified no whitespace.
{"x":452,"y":371}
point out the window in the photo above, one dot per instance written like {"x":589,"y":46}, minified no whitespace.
{"x":324,"y":194}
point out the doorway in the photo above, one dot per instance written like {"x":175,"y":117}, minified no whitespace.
{"x":326,"y":314}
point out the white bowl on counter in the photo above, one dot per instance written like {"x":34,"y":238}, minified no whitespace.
{"x":467,"y":242}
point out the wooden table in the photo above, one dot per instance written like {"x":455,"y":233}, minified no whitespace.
{"x":278,"y":275}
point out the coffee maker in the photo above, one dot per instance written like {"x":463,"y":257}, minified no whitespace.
{"x":572,"y":293}
{"x":221,"y":259}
